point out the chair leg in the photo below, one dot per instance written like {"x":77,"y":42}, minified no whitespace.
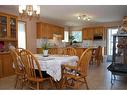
{"x":51,"y":82}
{"x":92,"y":61}
{"x":64,"y":82}
{"x":112,"y":80}
{"x":97,"y":62}
{"x":38,"y":85}
{"x":114,"y":77}
{"x":22,"y":82}
{"x":86,"y":83}
{"x":16,"y":81}
{"x":77,"y":85}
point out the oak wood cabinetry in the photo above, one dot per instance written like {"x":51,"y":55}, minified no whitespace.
{"x":8,"y":34}
{"x":47,"y":30}
{"x":8,"y":29}
{"x":87,"y":34}
{"x":6,"y":64}
{"x":90,"y":32}
{"x":0,"y":67}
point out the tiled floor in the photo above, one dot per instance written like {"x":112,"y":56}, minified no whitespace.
{"x":98,"y":79}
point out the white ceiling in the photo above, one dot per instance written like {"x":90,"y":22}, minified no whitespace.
{"x":66,"y":14}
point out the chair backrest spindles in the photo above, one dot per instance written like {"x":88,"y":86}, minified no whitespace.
{"x":31,"y":64}
{"x":69,"y":51}
{"x":17,"y":62}
{"x":84,"y":61}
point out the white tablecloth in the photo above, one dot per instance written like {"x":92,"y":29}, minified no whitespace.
{"x":52,"y":64}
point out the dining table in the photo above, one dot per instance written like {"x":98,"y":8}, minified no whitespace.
{"x":52,"y":64}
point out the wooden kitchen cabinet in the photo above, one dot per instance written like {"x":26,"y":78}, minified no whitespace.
{"x":99,"y":31}
{"x":90,"y":32}
{"x":47,"y":30}
{"x":6,"y":64}
{"x":87,"y":34}
{"x":58,"y":30}
{"x":62,"y":33}
{"x":41,"y":32}
{"x":8,"y":29}
{"x":8,"y":35}
{"x":1,"y":67}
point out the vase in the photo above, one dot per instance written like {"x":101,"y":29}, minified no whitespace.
{"x":45,"y":52}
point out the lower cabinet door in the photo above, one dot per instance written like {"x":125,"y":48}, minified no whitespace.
{"x":1,"y":66}
{"x":7,"y":65}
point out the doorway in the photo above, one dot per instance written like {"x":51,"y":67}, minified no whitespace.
{"x":110,"y":33}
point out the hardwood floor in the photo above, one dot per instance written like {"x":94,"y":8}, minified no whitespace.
{"x":98,"y":79}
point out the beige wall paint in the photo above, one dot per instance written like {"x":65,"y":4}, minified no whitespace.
{"x":31,"y":35}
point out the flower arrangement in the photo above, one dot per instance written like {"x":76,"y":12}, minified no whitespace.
{"x":45,"y":46}
{"x":71,"y":39}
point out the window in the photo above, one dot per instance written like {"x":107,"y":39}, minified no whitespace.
{"x":111,"y":31}
{"x":77,"y":35}
{"x":21,"y":35}
{"x":66,"y":36}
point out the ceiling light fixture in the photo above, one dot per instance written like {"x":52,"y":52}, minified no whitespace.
{"x":29,"y":11}
{"x":84,"y":18}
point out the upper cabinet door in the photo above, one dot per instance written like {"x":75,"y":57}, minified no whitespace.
{"x":62,"y":33}
{"x":8,"y":26}
{"x":13,"y":26}
{"x":8,"y":29}
{"x":90,"y":32}
{"x":49,"y":31}
{"x":87,"y":34}
{"x":41,"y":31}
{"x":3,"y":26}
{"x":45,"y":30}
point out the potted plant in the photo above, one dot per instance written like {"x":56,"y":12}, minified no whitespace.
{"x":71,"y":39}
{"x":45,"y":47}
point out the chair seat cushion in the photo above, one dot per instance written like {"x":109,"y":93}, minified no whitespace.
{"x":119,"y":68}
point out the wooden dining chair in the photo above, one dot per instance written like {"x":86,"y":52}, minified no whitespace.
{"x":78,"y":73}
{"x":97,"y":56}
{"x":53,"y":51}
{"x":69,"y":51}
{"x":60,"y":51}
{"x":33,"y":71}
{"x":18,"y":67}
